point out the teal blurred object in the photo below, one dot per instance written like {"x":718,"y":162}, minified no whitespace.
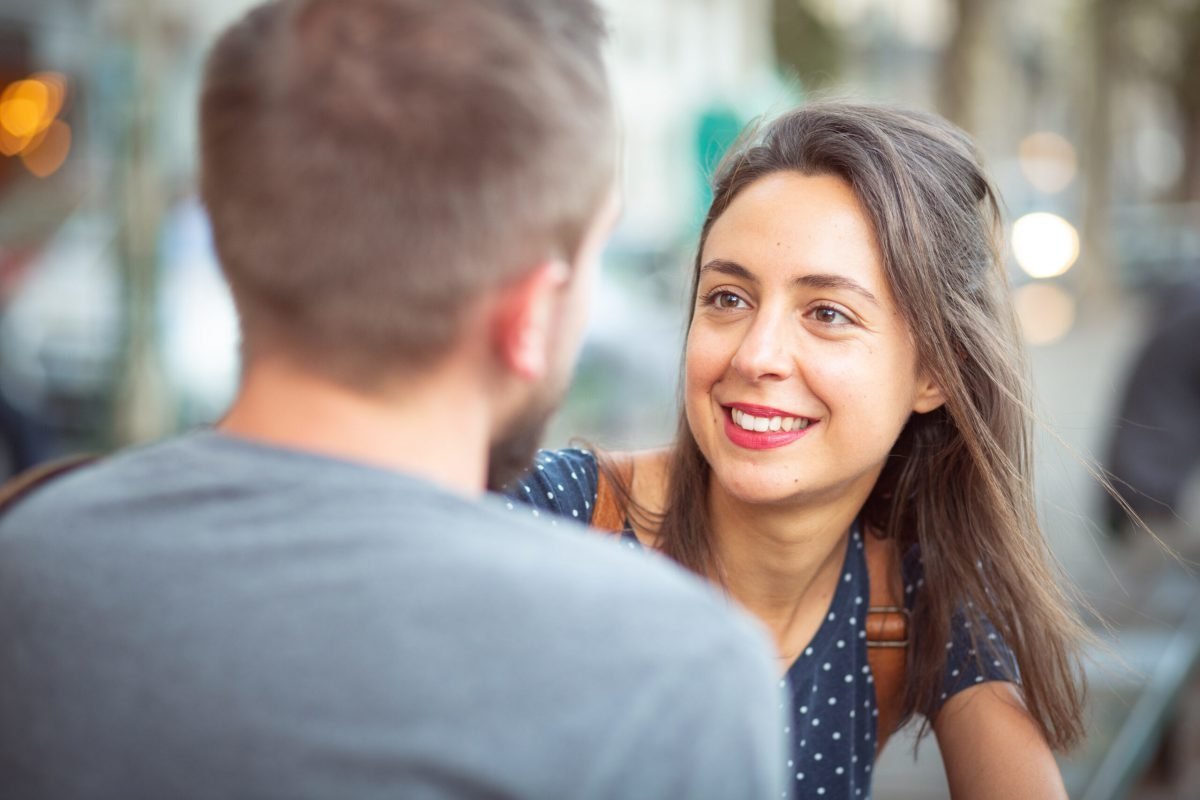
{"x":717,"y":127}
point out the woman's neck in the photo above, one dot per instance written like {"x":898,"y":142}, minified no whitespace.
{"x":782,"y":563}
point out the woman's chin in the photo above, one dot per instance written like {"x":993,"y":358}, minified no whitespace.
{"x":759,"y":490}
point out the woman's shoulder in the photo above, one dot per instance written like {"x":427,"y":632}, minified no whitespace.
{"x":644,"y":479}
{"x":649,"y":477}
{"x":562,"y":482}
{"x":567,"y":482}
{"x":575,"y":463}
{"x":975,"y":650}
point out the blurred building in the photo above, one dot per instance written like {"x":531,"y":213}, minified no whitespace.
{"x":1083,"y":110}
{"x":115,"y":325}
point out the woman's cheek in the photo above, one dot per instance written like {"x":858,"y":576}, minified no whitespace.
{"x":706,"y":357}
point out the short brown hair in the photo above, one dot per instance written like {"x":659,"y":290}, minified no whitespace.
{"x":372,"y":166}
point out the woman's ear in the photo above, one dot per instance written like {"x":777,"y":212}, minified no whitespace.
{"x":524,"y":320}
{"x":929,"y":394}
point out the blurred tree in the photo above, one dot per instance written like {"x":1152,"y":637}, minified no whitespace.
{"x":141,"y":403}
{"x":962,"y":67}
{"x":1105,"y":63}
{"x":1185,"y":86}
{"x":806,"y":46}
{"x":985,"y":75}
{"x":1160,"y":41}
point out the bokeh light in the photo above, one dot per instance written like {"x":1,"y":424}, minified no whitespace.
{"x":49,"y":152}
{"x":56,"y":89}
{"x":1044,"y":244}
{"x":1047,"y":161}
{"x":29,"y":124}
{"x":22,"y":116}
{"x":11,"y":145}
{"x":1046,"y":312}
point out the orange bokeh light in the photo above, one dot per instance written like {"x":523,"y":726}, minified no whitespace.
{"x":50,"y":152}
{"x":29,"y":124}
{"x":21,"y":117}
{"x":11,"y":145}
{"x":56,"y":91}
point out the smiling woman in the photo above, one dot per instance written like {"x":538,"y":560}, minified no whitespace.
{"x":814,"y":335}
{"x":855,"y":414}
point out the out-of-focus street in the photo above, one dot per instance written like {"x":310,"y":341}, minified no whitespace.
{"x":117,"y":328}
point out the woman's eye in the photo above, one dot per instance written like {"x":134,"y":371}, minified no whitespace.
{"x":726,"y":300}
{"x":830,"y":316}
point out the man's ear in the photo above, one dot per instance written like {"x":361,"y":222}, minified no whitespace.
{"x":524,"y":319}
{"x":929,"y":394}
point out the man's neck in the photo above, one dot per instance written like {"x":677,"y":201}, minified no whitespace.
{"x":436,"y":429}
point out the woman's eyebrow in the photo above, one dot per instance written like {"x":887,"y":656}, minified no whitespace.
{"x":813,"y":281}
{"x":826,"y":281}
{"x":730,"y":268}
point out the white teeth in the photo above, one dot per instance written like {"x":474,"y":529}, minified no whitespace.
{"x":763,"y":424}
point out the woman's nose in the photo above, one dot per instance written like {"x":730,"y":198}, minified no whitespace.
{"x":765,"y":352}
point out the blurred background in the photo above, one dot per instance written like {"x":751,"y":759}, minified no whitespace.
{"x":116,"y":327}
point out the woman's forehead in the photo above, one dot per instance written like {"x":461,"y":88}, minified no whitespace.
{"x":786,"y":225}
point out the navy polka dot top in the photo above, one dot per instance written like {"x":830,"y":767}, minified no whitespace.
{"x":832,"y":726}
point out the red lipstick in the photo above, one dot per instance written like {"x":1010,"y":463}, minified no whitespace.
{"x":761,"y":440}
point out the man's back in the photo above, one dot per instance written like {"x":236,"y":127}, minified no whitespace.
{"x":212,"y":617}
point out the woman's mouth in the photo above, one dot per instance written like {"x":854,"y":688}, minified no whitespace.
{"x":762,"y":428}
{"x":750,"y":422}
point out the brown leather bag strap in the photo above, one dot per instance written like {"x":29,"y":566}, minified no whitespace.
{"x":24,"y":483}
{"x":887,"y":619}
{"x":887,"y":635}
{"x":608,"y":515}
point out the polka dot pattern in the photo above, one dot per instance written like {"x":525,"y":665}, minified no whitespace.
{"x":561,"y":481}
{"x":833,"y":743}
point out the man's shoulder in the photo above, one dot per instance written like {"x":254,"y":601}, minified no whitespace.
{"x":642,"y":596}
{"x":433,"y":607}
{"x":197,"y":470}
{"x":148,"y":502}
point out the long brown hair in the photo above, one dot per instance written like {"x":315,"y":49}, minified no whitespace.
{"x":958,"y":482}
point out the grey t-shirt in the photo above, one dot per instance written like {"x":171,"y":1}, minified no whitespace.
{"x":209,"y":617}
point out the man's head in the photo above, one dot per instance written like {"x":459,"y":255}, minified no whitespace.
{"x":372,"y":166}
{"x":375,"y":169}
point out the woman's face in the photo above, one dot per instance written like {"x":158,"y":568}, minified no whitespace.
{"x":800,"y":370}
